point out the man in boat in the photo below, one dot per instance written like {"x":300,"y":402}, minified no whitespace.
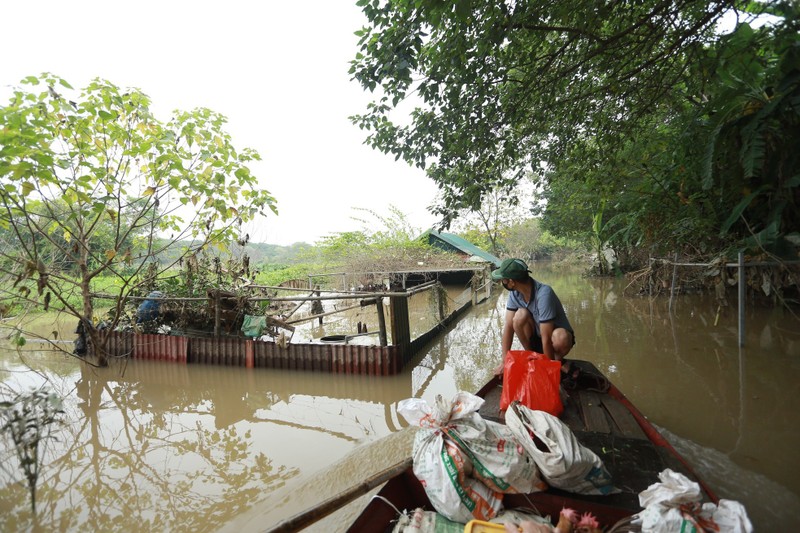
{"x":533,"y":313}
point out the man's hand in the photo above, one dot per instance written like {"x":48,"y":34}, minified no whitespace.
{"x":498,"y":371}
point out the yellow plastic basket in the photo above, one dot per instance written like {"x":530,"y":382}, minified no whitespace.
{"x":479,"y":526}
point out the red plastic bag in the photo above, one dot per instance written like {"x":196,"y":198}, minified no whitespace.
{"x":534,"y":380}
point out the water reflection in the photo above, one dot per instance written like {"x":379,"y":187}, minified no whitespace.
{"x":156,"y":446}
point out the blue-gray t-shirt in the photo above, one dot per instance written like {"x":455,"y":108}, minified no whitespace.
{"x":544,"y":306}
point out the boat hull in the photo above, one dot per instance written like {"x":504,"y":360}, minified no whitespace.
{"x":604,"y":420}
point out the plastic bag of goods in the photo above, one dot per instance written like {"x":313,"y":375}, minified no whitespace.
{"x":466,"y":463}
{"x":534,"y":380}
{"x":673,"y":504}
{"x":563,"y":461}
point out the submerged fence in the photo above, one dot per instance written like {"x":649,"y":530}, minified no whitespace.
{"x":740,"y":265}
{"x":340,"y":358}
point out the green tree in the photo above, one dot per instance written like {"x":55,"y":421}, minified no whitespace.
{"x":750,"y":167}
{"x":504,"y":85}
{"x":385,"y":242}
{"x":380,"y":235}
{"x":488,"y":225}
{"x":642,"y":119}
{"x":80,"y":170}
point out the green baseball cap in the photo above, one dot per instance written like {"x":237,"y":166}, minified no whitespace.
{"x":511,"y":269}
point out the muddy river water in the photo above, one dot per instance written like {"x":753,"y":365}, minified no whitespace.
{"x":151,"y":446}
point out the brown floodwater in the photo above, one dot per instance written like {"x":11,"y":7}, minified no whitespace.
{"x":152,"y":446}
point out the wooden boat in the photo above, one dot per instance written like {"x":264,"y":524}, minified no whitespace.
{"x":602,"y":419}
{"x":605,"y":421}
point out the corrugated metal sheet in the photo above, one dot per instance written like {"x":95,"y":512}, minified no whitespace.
{"x":221,"y":351}
{"x":310,"y":357}
{"x":369,"y":360}
{"x":295,"y":284}
{"x":231,"y":351}
{"x":171,"y":348}
{"x":118,"y":343}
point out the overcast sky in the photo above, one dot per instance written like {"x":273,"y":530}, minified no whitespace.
{"x":277,"y":70}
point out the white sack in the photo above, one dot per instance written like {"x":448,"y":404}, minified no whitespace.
{"x":731,"y":516}
{"x":673,"y":504}
{"x":498,"y":459}
{"x":566,"y":463}
{"x":673,"y":488}
{"x":464,"y":462}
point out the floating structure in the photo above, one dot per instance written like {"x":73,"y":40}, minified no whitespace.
{"x":395,"y":348}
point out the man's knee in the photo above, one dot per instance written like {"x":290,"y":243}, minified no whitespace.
{"x":562,"y":341}
{"x":522,"y":318}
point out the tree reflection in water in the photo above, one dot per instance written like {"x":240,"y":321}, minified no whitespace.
{"x":146,"y":457}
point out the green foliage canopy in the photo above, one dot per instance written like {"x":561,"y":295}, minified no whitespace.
{"x":96,"y":168}
{"x":504,"y":85}
{"x":629,"y":113}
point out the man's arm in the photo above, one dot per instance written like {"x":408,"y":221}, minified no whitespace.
{"x":507,"y":339}
{"x":508,"y":332}
{"x":546,"y":329}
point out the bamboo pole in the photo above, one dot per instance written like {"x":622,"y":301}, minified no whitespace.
{"x":742,"y":295}
{"x":298,"y":306}
{"x":280,"y":323}
{"x":320,"y":511}
{"x":217,"y":317}
{"x":728,"y":265}
{"x":672,"y":287}
{"x":291,"y":289}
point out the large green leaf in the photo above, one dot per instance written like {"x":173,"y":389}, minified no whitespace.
{"x":739,"y":209}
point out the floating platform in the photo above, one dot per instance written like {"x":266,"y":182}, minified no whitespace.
{"x":336,"y":358}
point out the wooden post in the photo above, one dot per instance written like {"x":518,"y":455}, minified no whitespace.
{"x":474,"y":287}
{"x":401,"y":331}
{"x":381,"y":322}
{"x":437,"y":294}
{"x":316,"y":307}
